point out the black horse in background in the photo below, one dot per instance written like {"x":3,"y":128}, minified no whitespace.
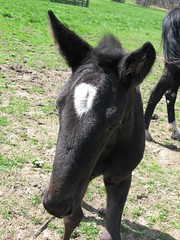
{"x":170,"y":79}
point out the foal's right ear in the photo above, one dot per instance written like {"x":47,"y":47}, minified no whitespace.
{"x":137,"y":65}
{"x":72,"y":47}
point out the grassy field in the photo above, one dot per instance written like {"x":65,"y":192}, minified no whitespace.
{"x":31,"y":74}
{"x":24,"y":35}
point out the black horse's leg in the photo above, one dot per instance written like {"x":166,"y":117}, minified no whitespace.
{"x":156,"y":94}
{"x":171,"y":95}
{"x":73,"y":220}
{"x":116,"y":198}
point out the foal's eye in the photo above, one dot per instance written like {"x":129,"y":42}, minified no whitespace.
{"x":58,"y":107}
{"x":112,"y":128}
{"x":115,"y":125}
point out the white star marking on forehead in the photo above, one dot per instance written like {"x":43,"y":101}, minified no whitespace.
{"x":84,"y":96}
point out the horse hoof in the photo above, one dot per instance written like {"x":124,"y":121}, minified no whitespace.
{"x":170,"y":127}
{"x":105,"y":235}
{"x":175,"y":136}
{"x":148,"y":135}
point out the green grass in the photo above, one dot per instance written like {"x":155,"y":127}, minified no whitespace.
{"x":5,"y":213}
{"x":36,"y":200}
{"x":9,"y":163}
{"x":136,"y":213}
{"x":3,"y":121}
{"x":38,"y":90}
{"x":37,"y":220}
{"x":90,"y":229}
{"x":48,"y":108}
{"x":17,"y":107}
{"x":26,"y":39}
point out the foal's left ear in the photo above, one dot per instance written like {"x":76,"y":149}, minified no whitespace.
{"x":73,"y":48}
{"x":137,"y":65}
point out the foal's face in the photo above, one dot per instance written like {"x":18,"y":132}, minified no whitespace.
{"x":93,"y":100}
{"x":91,"y":106}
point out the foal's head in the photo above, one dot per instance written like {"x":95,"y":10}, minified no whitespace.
{"x":91,"y":106}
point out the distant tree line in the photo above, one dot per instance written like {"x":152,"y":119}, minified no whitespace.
{"x":167,"y":4}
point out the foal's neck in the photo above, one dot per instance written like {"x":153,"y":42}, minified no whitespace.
{"x":129,"y":110}
{"x":128,"y":118}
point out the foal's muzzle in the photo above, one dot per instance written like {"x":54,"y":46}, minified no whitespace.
{"x":57,"y":207}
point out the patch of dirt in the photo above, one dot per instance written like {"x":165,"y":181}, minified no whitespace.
{"x":168,"y":156}
{"x":22,"y":214}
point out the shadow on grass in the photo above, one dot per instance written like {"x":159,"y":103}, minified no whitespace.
{"x":141,"y":232}
{"x":129,"y":230}
{"x":171,"y":147}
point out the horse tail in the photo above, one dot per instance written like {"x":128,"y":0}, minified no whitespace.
{"x":171,"y":37}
